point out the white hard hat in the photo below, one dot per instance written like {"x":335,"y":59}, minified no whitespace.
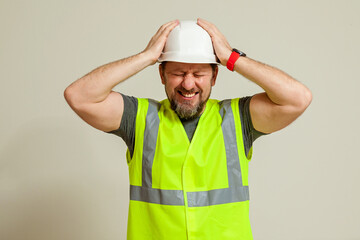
{"x":188,"y":43}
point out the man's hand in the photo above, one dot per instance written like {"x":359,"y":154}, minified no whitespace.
{"x":157,"y":42}
{"x":221,"y":46}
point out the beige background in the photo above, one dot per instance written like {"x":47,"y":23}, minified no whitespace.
{"x":61,"y":179}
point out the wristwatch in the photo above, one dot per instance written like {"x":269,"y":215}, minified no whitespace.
{"x":233,"y":57}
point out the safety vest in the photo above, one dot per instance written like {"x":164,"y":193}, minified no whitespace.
{"x":194,"y":190}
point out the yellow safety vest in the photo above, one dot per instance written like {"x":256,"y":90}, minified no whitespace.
{"x":188,"y":190}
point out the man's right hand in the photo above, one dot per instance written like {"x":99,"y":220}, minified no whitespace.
{"x":157,"y":42}
{"x":91,"y":96}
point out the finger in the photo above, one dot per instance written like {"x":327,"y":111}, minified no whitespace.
{"x":169,"y":27}
{"x":204,"y":21}
{"x":170,"y":24}
{"x":162,"y":27}
{"x":207,"y":26}
{"x":163,"y":32}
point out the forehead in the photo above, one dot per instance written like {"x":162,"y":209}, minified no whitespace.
{"x":185,"y":67}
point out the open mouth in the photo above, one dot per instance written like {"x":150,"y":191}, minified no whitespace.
{"x":188,"y":95}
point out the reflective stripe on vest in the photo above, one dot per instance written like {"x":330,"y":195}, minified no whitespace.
{"x":236,"y":192}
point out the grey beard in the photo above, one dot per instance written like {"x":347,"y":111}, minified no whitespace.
{"x":187,"y":113}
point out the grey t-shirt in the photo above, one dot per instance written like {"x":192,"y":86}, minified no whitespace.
{"x":127,"y":127}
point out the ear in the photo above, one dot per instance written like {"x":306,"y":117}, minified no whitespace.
{"x":213,"y":80}
{"x":161,"y":74}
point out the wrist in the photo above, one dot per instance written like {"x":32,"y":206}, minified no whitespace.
{"x":148,"y":58}
{"x":226,"y":57}
{"x":234,"y":56}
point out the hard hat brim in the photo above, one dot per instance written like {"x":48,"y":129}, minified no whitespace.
{"x":187,"y":58}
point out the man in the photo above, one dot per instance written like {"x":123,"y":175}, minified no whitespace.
{"x":188,"y":184}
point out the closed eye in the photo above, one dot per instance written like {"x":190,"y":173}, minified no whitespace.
{"x":198,"y":75}
{"x":178,"y":74}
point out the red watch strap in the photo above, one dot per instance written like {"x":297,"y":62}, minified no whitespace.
{"x":232,"y":59}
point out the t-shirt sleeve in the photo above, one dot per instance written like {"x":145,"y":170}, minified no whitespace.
{"x":127,"y":126}
{"x":250,"y":134}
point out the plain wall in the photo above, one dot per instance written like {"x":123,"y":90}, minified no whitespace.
{"x":62,"y":179}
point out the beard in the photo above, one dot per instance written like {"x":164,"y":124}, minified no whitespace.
{"x":186,"y":110}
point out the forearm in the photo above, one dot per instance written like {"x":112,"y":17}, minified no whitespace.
{"x":95,"y":86}
{"x":281,"y":88}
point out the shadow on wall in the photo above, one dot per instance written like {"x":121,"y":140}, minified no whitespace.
{"x":53,"y":185}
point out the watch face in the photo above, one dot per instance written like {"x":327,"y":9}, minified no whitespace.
{"x":239,"y":52}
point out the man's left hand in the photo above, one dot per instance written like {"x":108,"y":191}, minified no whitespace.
{"x":221,"y":46}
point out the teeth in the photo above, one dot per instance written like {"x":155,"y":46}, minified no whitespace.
{"x":188,"y":95}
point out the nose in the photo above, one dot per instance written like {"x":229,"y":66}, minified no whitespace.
{"x":188,"y":82}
